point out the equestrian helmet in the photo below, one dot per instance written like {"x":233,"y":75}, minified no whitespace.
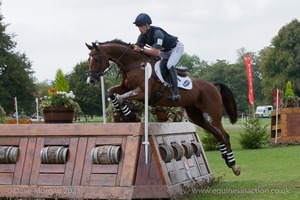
{"x":142,"y":18}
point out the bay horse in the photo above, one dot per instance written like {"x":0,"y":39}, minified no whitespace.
{"x":203,"y":103}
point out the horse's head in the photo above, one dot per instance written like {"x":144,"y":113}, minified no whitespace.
{"x":97,"y":62}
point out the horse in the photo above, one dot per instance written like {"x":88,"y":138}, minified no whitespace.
{"x":203,"y":103}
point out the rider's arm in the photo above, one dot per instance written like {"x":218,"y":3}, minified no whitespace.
{"x":150,"y":51}
{"x":147,"y":50}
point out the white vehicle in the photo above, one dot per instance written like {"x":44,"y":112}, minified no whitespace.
{"x":263,"y":111}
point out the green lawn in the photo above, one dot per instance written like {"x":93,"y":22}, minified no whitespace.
{"x":270,"y":172}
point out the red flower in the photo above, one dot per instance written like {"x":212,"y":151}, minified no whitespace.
{"x":52,"y":91}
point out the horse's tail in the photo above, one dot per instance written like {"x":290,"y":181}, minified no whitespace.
{"x":228,"y":102}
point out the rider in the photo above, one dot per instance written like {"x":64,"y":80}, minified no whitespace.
{"x":162,"y":44}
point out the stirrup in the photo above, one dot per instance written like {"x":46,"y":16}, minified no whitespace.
{"x":174,"y":97}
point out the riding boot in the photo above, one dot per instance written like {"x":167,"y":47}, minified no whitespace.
{"x":175,"y":94}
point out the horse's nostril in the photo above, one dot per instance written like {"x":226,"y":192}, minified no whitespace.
{"x":91,"y":81}
{"x":88,"y":80}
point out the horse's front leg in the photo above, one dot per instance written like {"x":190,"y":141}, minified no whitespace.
{"x":111,"y":94}
{"x":135,"y":94}
{"x":119,"y":89}
{"x":118,"y":103}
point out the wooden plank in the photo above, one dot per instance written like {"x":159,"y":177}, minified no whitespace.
{"x":202,"y":165}
{"x":69,"y":171}
{"x":50,"y":179}
{"x":147,"y":174}
{"x":57,"y":141}
{"x":175,"y":176}
{"x":130,"y":161}
{"x":109,"y":140}
{"x":21,"y":160}
{"x":291,"y":139}
{"x":36,"y":161}
{"x":122,"y":129}
{"x":81,"y":151}
{"x":284,"y":125}
{"x":142,"y":173}
{"x":7,"y":168}
{"x":86,"y":174}
{"x":151,"y":192}
{"x":154,"y":173}
{"x":52,"y":168}
{"x":6,"y":178}
{"x":103,"y":180}
{"x":121,"y":163}
{"x":104,"y":169}
{"x":28,"y":161}
{"x":295,"y":125}
{"x":289,"y":110}
{"x":160,"y":163}
{"x":274,"y":127}
{"x":9,"y":141}
{"x":174,"y":128}
{"x":70,"y":192}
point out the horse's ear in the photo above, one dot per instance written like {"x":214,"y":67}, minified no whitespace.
{"x":95,"y":46}
{"x":89,"y":46}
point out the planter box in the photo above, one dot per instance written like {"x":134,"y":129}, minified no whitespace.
{"x":58,"y":114}
{"x":20,"y":121}
{"x":288,"y":129}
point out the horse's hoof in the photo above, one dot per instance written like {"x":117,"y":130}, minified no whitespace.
{"x":236,"y":170}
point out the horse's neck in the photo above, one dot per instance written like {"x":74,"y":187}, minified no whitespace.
{"x":126,"y":56}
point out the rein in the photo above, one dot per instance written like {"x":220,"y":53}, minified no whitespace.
{"x":98,"y":74}
{"x":143,"y":64}
{"x":127,"y":70}
{"x":110,"y":66}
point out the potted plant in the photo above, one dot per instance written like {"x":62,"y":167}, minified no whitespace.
{"x":58,"y":106}
{"x":289,"y":99}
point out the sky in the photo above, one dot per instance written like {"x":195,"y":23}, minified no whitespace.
{"x":53,"y":33}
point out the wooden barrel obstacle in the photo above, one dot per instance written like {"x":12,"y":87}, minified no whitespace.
{"x":54,"y":155}
{"x":8,"y":154}
{"x":96,"y":161}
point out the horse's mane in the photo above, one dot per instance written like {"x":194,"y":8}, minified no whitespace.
{"x":118,"y":41}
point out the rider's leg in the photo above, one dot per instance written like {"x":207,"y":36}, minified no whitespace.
{"x":174,"y":56}
{"x":175,"y":94}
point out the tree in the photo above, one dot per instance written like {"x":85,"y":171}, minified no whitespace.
{"x":89,"y":98}
{"x":43,"y":88}
{"x":234,"y":76}
{"x":16,"y":78}
{"x":191,"y":61}
{"x":281,"y":60}
{"x":60,"y":82}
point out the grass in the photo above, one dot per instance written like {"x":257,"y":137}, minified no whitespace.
{"x":270,"y":172}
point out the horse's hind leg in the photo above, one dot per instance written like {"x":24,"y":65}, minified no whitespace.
{"x":214,"y":126}
{"x":228,"y":156}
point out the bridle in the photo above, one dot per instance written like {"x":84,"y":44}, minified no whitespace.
{"x":97,"y":73}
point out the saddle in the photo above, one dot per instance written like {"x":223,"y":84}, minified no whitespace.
{"x":162,"y":73}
